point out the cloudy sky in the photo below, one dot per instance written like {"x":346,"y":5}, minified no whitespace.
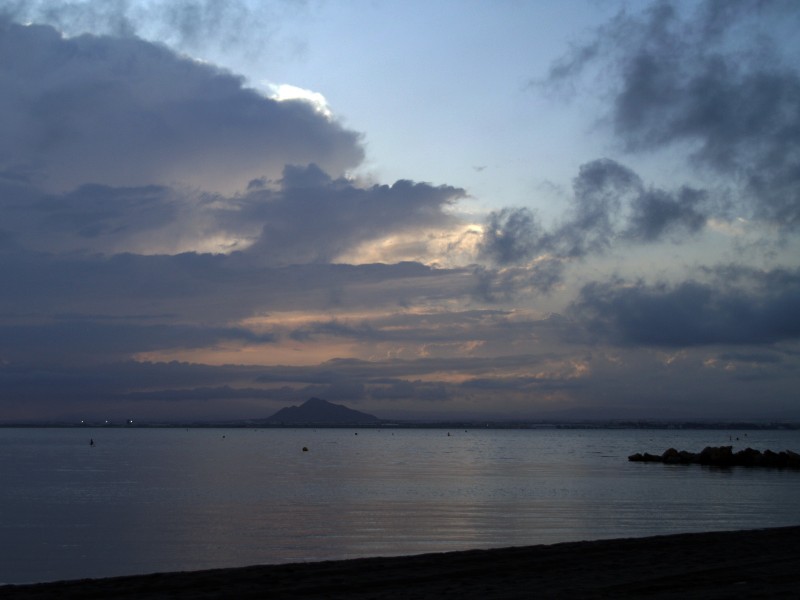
{"x":459,"y":209}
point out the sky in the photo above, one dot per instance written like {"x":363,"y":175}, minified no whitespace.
{"x":423,"y":210}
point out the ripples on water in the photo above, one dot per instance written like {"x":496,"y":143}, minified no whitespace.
{"x":146,"y":500}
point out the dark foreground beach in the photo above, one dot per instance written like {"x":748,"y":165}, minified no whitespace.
{"x":743,"y":564}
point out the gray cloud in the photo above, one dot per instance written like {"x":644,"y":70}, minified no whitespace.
{"x":112,"y":145}
{"x":76,"y":341}
{"x":125,"y":112}
{"x":703,"y":78}
{"x":125,"y":106}
{"x":611,"y":203}
{"x":600,"y":189}
{"x":288,"y":223}
{"x":752,"y":357}
{"x":610,"y":206}
{"x":247,"y":29}
{"x":314,"y":218}
{"x":655,"y":214}
{"x":81,"y":310}
{"x":737,"y":307}
{"x":504,"y":285}
{"x":58,"y":383}
{"x":93,"y":218}
{"x":126,"y":170}
{"x":512,"y":235}
{"x":201,"y":288}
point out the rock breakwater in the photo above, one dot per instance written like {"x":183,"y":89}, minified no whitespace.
{"x":723,"y":456}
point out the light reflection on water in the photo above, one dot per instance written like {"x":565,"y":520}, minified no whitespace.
{"x":145,"y":500}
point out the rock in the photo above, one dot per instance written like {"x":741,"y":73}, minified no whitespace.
{"x":719,"y":456}
{"x":671,"y":456}
{"x":771,"y":459}
{"x":646,"y":457}
{"x":792,"y":460}
{"x":723,"y":456}
{"x":749,"y":458}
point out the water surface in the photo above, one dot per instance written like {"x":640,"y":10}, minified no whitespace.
{"x":147,"y":500}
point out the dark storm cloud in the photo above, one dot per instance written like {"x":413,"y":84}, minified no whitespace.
{"x":123,"y":390}
{"x":512,"y":235}
{"x":84,"y":340}
{"x":611,"y":203}
{"x":208,"y":289}
{"x":314,"y":218}
{"x":116,"y":144}
{"x":123,"y":111}
{"x":126,"y":169}
{"x":78,"y":111}
{"x":128,"y":384}
{"x":96,"y":210}
{"x":600,"y":189}
{"x":710,"y":81}
{"x":91,"y":218}
{"x":656,"y":214}
{"x":290,"y":222}
{"x":737,"y":307}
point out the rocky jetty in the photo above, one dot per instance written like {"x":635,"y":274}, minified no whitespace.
{"x":724,"y":456}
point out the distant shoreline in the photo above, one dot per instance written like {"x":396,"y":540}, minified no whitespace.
{"x":451,"y":425}
{"x":733,"y":564}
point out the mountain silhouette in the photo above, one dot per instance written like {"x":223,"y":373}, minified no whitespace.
{"x":316,"y":411}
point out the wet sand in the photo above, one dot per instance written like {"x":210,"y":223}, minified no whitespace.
{"x":744,"y":564}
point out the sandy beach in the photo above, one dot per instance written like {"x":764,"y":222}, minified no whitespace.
{"x":742,"y":564}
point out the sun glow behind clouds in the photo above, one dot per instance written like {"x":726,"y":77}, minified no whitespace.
{"x":287,"y":352}
{"x":448,"y":248}
{"x":285,"y":91}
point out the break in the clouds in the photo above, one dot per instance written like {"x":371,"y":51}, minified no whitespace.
{"x":175,"y":243}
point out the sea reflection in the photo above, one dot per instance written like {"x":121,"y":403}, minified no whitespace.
{"x":146,"y":500}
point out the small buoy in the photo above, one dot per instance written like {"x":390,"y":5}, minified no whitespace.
{"x":305,"y":449}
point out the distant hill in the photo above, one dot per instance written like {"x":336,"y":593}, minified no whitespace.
{"x":316,"y":411}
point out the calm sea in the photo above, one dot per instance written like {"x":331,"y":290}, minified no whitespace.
{"x":148,"y":500}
